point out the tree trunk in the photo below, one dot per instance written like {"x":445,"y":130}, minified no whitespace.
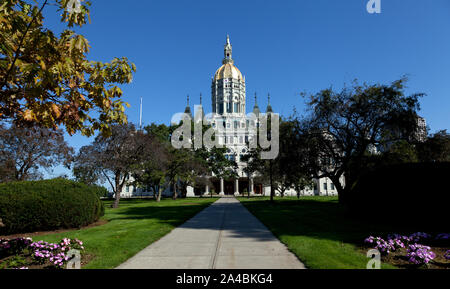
{"x":175,"y":191}
{"x":249,"y":185}
{"x":118,"y":191}
{"x":342,"y":191}
{"x":158,"y":199}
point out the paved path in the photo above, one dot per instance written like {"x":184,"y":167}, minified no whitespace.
{"x":223,"y":236}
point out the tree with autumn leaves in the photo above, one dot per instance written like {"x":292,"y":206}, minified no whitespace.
{"x":47,"y":79}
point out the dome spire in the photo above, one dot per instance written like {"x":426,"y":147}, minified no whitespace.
{"x":199,"y":109}
{"x":188,"y":107}
{"x":256,"y":110}
{"x":228,"y":52}
{"x":269,"y":107}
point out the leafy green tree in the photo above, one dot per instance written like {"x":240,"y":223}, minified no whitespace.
{"x":284,"y":172}
{"x":252,"y":164}
{"x":180,"y":167}
{"x":267,"y":169}
{"x":47,"y":79}
{"x":400,"y":152}
{"x":343,"y":127}
{"x":436,"y":148}
{"x":114,"y":157}
{"x":152,"y":168}
{"x":207,"y":162}
{"x":218,"y":163}
{"x":291,"y":172}
{"x":86,"y":175}
{"x":161,"y":131}
{"x":163,"y":166}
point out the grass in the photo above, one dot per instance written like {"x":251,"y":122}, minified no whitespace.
{"x":131,"y":228}
{"x":317,"y":230}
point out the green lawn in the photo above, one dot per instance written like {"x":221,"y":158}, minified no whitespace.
{"x":131,"y":228}
{"x":316,"y":230}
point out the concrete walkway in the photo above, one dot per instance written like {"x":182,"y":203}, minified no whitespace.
{"x":223,"y":236}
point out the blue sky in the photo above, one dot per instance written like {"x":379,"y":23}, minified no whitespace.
{"x":282,"y":47}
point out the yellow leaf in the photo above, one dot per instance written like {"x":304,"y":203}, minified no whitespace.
{"x":56,"y":110}
{"x":28,"y":115}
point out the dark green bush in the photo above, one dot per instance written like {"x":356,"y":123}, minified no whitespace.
{"x":47,"y":205}
{"x":100,"y":191}
{"x":404,"y":194}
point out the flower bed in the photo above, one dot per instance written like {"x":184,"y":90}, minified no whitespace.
{"x":418,"y":250}
{"x":23,"y":253}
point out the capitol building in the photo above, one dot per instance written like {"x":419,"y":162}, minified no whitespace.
{"x":232,"y":127}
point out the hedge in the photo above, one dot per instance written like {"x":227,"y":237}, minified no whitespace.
{"x":100,"y":191}
{"x":414,"y":193}
{"x":47,"y":205}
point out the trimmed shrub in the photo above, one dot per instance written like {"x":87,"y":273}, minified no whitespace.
{"x":415,"y":193}
{"x":100,"y":191}
{"x":47,"y":205}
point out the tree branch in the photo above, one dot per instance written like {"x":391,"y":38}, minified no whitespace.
{"x":16,"y":53}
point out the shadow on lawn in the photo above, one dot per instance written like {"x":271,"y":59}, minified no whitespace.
{"x":327,"y":219}
{"x":319,"y":218}
{"x":229,"y":217}
{"x":169,"y":214}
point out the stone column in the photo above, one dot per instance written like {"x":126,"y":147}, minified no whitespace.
{"x":222,"y":193}
{"x":251,"y":188}
{"x":236,"y":187}
{"x":206,"y":191}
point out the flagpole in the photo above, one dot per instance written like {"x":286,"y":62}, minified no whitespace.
{"x":140,"y":116}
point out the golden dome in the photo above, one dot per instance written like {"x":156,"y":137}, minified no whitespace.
{"x":228,"y":70}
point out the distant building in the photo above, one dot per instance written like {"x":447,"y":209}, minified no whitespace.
{"x":422,"y":131}
{"x":228,"y":95}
